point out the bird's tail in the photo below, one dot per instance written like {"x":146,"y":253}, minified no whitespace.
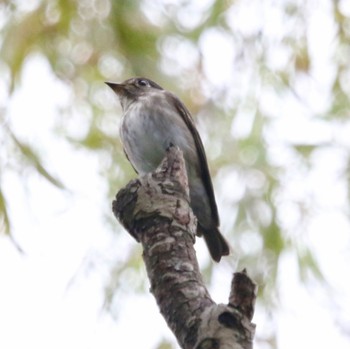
{"x":216,"y":243}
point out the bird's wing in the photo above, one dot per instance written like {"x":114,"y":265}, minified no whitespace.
{"x":205,"y":175}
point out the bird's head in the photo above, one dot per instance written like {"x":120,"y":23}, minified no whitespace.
{"x":130,"y":90}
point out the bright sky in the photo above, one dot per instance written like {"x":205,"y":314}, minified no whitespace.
{"x":40,"y":306}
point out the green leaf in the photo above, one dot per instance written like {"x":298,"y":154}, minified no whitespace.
{"x":4,"y":219}
{"x":35,"y":161}
{"x":308,"y":265}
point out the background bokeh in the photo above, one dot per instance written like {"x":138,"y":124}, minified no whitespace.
{"x":268,"y":83}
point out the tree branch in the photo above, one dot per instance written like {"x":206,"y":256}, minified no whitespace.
{"x":155,"y":210}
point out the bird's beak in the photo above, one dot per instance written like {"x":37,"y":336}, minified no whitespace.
{"x":119,"y":89}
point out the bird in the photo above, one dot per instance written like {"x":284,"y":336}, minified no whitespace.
{"x":154,"y":119}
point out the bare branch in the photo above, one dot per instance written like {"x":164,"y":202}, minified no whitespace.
{"x":155,"y":210}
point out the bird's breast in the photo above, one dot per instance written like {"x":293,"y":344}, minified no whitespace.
{"x":147,"y":130}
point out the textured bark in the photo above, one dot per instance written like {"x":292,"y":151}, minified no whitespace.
{"x":155,"y":210}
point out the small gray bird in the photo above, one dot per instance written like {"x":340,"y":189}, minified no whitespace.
{"x":153,"y":119}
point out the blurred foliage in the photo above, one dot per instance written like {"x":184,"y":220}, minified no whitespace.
{"x":181,"y":45}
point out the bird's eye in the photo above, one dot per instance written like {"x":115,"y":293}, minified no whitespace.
{"x":143,"y":82}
